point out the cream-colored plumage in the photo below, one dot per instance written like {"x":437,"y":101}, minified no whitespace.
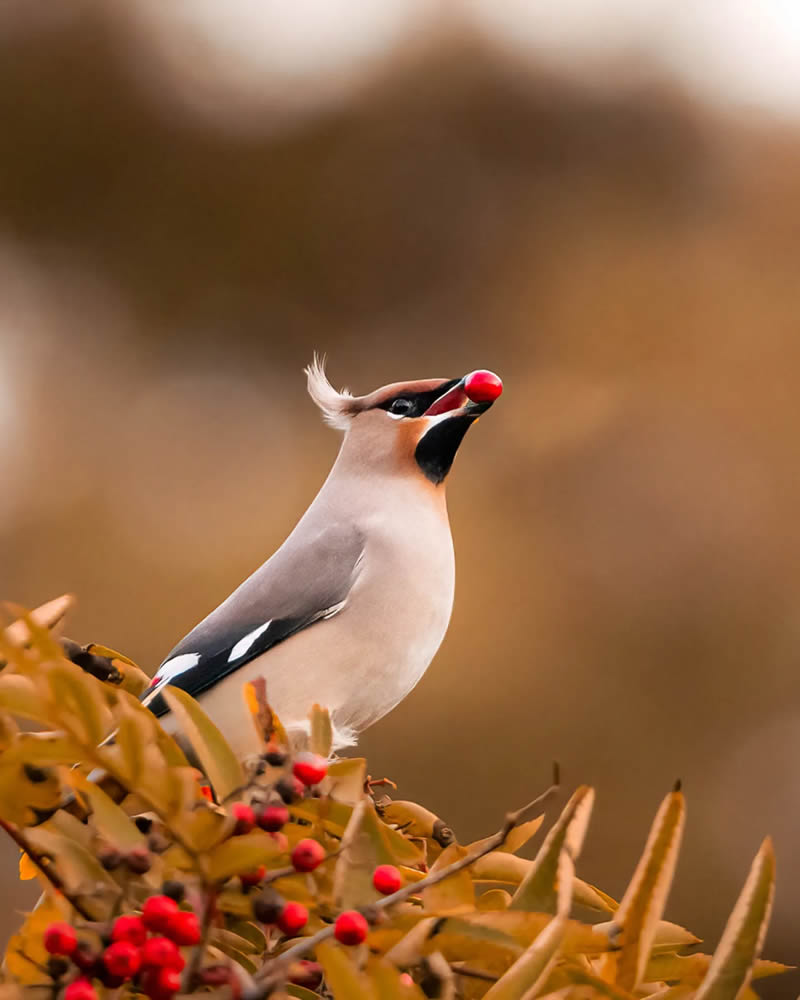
{"x":351,"y":609}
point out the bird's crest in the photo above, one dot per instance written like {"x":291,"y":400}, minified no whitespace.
{"x":337,"y":406}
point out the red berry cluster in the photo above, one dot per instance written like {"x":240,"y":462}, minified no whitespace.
{"x":154,"y":962}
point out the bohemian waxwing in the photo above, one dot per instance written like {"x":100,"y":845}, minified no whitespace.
{"x":351,"y":609}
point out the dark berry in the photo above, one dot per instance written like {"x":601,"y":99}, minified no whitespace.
{"x":215,"y":975}
{"x":174,"y":889}
{"x":305,"y":973}
{"x":60,"y":939}
{"x":273,"y":818}
{"x":275,"y":756}
{"x":289,"y":788}
{"x":268,"y":906}
{"x":157,"y":913}
{"x":36,"y":775}
{"x":110,"y":858}
{"x":57,"y":966}
{"x":350,"y":928}
{"x":138,"y":860}
{"x":310,"y":768}
{"x":85,"y":957}
{"x":307,"y":855}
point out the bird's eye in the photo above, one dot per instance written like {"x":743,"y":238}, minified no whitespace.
{"x":401,"y":407}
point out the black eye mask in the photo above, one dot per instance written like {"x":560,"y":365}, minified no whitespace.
{"x":418,"y":401}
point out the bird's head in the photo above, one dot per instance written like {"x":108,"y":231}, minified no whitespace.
{"x":416,"y":426}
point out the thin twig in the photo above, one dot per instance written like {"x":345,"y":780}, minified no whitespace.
{"x":47,"y":870}
{"x":512,"y":819}
{"x":205,"y":931}
{"x":466,"y":970}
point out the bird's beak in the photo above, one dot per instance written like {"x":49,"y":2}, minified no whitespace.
{"x":470,"y":396}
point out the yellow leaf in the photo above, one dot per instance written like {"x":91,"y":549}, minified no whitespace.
{"x":640,"y":910}
{"x":731,"y":967}
{"x":321,"y":731}
{"x":27,"y":869}
{"x":241,"y":854}
{"x":341,"y":974}
{"x":539,"y":889}
{"x":217,"y":759}
{"x":29,"y":941}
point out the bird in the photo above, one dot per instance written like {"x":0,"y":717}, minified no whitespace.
{"x":350,"y":610}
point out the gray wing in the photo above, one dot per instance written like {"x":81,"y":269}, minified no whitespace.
{"x":307,"y":580}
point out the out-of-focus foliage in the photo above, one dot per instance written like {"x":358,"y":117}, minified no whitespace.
{"x":470,"y":921}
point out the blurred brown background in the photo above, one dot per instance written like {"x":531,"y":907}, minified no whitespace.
{"x":182,"y":224}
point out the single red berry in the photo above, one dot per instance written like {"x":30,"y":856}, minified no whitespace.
{"x":293,"y":918}
{"x":160,"y":984}
{"x":273,"y":818}
{"x":60,"y":939}
{"x":85,"y":957}
{"x":80,"y":989}
{"x":307,"y":855}
{"x":122,"y":959}
{"x":482,"y":386}
{"x":405,"y":979}
{"x":245,"y":818}
{"x":350,"y":928}
{"x":253,"y":877}
{"x":310,"y":768}
{"x":184,"y":928}
{"x":387,"y":879}
{"x":305,"y":973}
{"x":161,"y":953}
{"x":157,"y":913}
{"x":129,"y":928}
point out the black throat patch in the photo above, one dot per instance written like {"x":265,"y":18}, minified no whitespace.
{"x":437,"y":449}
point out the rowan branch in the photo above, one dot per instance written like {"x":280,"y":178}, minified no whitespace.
{"x":46,"y":869}
{"x":269,"y":974}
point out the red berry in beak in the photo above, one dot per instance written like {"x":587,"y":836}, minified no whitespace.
{"x":482,"y":386}
{"x":310,"y":768}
